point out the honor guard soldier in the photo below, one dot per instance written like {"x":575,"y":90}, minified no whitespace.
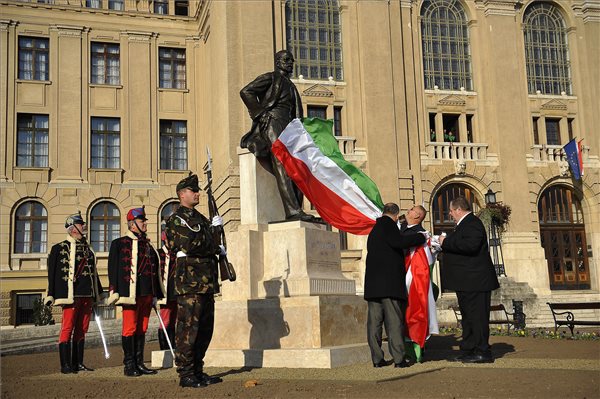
{"x":168,"y":305}
{"x":135,"y":284}
{"x":190,"y":236}
{"x":73,"y":283}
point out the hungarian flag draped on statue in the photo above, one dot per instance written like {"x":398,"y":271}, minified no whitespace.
{"x":343,"y":195}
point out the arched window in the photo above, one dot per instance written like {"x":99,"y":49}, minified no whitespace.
{"x":165,"y":214}
{"x":314,"y":37}
{"x":546,"y":50}
{"x":440,"y":215}
{"x":105,"y":225}
{"x":562,"y":233}
{"x":31,"y":228}
{"x":445,"y":39}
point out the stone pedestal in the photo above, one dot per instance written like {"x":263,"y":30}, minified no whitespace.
{"x":525,"y":261}
{"x":290,"y":306}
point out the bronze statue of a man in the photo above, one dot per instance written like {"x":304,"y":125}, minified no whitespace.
{"x":273,"y":101}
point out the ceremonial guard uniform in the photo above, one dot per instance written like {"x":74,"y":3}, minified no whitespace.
{"x":168,"y":305}
{"x":135,"y":284}
{"x":190,"y":237}
{"x":73,"y":283}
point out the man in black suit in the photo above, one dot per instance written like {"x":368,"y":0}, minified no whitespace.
{"x":273,"y":101}
{"x":413,"y":219}
{"x":468,"y":270}
{"x":385,"y":285}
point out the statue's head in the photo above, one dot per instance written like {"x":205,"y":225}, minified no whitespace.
{"x":284,"y":60}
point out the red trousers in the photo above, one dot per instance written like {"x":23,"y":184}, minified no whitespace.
{"x":75,"y":320}
{"x":168,"y":313}
{"x":135,"y":317}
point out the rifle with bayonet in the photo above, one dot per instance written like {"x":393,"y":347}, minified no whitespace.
{"x":226,"y":269}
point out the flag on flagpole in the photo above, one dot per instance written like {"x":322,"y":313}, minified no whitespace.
{"x":421,"y":317}
{"x":343,"y":195}
{"x":573,"y":153}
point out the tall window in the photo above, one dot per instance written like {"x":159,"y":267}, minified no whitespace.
{"x":181,"y":7}
{"x":106,"y":143}
{"x":337,"y":121}
{"x":546,"y":50}
{"x":553,"y":131}
{"x":34,"y":59}
{"x":173,"y":145}
{"x":32,"y":140}
{"x":314,"y":37}
{"x":446,"y":53}
{"x":171,"y":68}
{"x":161,"y":7}
{"x":316,"y":111}
{"x":105,"y":63}
{"x":116,"y":5}
{"x":440,"y":215}
{"x":93,"y":3}
{"x":31,"y":228}
{"x":104,"y":225}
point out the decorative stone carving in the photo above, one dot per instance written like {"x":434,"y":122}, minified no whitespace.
{"x":563,"y":169}
{"x":452,"y":100}
{"x":555,"y":105}
{"x":317,"y":91}
{"x":460,"y":167}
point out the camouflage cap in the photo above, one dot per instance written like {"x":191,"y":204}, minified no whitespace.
{"x":75,"y":218}
{"x":190,"y":182}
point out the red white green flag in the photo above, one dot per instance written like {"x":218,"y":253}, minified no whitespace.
{"x":343,"y":195}
{"x":421,"y":317}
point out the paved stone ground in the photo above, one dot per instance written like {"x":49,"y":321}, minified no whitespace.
{"x":524,"y":368}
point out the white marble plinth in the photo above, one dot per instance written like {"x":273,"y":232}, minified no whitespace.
{"x":330,"y":357}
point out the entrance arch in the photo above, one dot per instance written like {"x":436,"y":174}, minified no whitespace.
{"x":562,"y":233}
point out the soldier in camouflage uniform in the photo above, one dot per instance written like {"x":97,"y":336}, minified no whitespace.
{"x":191,"y":237}
{"x":73,"y":283}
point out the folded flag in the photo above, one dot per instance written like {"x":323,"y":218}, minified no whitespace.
{"x":573,"y":152}
{"x":421,"y":317}
{"x":343,"y":195}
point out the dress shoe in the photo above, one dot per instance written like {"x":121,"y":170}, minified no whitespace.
{"x":191,"y":382}
{"x":478,"y":358}
{"x":209,"y":380}
{"x":381,"y":363}
{"x":460,"y":358}
{"x":403,"y":364}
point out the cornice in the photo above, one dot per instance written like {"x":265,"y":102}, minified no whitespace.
{"x":318,"y":91}
{"x":69,"y":30}
{"x":5,"y":24}
{"x":138,"y":36}
{"x":588,"y":10}
{"x":499,"y":7}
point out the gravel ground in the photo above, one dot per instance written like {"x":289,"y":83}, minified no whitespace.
{"x":525,"y":367}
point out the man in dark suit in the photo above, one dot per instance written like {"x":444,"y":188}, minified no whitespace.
{"x":468,"y":270}
{"x":273,"y":102}
{"x":413,"y":219}
{"x":385,"y":285}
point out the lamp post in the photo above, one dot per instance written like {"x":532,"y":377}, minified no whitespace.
{"x":494,"y":243}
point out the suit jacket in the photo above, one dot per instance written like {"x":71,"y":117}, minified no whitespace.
{"x":385,"y":275}
{"x":260,"y":96}
{"x":467,"y":265}
{"x":404,"y":227}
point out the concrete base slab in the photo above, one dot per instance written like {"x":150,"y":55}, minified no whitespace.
{"x":322,"y":358}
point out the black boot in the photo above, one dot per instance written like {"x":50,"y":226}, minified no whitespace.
{"x":77,"y":357}
{"x":202,"y":376}
{"x":140,"y":341}
{"x":162,"y":341}
{"x":64,"y":350}
{"x":129,"y":356}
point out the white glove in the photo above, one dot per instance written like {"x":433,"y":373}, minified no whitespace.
{"x":217,"y":221}
{"x":426,"y":234}
{"x":223,"y":250}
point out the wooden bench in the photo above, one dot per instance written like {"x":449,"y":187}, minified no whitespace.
{"x":498,"y":315}
{"x":569,"y":317}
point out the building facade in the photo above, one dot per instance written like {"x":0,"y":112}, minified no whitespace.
{"x":107,"y":104}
